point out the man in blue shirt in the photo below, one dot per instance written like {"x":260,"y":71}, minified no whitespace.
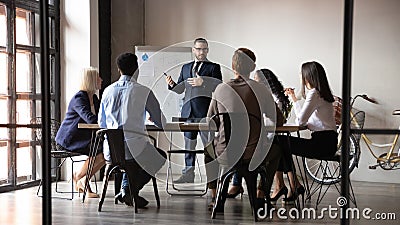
{"x":123,"y":106}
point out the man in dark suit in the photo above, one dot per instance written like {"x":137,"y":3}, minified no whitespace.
{"x":198,"y":80}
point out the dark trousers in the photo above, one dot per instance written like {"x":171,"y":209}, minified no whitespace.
{"x":322,"y":144}
{"x":141,"y":176}
{"x":190,"y":144}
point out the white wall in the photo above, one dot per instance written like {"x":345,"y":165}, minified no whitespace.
{"x":94,"y":33}
{"x":79,"y":44}
{"x":286,"y":33}
{"x":79,"y":48}
{"x":127,"y":24}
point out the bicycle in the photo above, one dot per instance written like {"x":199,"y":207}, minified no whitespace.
{"x":328,"y":172}
{"x":388,"y":160}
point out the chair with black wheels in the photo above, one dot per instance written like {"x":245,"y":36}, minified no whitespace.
{"x":57,"y":152}
{"x":230,"y":163}
{"x":118,"y":164}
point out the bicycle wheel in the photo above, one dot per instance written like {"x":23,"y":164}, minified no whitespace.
{"x":328,"y":172}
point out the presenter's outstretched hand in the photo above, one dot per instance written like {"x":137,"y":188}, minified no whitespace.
{"x":169,"y":80}
{"x":196,"y":81}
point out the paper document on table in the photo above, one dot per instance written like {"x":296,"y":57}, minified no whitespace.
{"x":198,"y":124}
{"x":148,"y":122}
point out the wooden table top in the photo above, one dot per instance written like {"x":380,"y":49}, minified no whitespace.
{"x":179,"y":126}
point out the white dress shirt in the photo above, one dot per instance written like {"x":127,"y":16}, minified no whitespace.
{"x":316,"y":113}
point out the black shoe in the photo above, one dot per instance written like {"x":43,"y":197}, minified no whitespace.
{"x":239,"y":191}
{"x":142,"y":202}
{"x":185,"y":178}
{"x":299,"y":191}
{"x":127,"y":199}
{"x":119,"y":197}
{"x":220,"y":208}
{"x":124,"y":197}
{"x":283,"y":191}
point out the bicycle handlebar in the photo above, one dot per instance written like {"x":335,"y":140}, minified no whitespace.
{"x":365,"y":97}
{"x":369,"y":99}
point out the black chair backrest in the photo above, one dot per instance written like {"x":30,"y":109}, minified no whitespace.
{"x":115,"y":138}
{"x":237,"y":128}
{"x":235,"y":125}
{"x":54,"y":126}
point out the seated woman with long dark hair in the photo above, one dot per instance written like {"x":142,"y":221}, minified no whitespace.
{"x":317,"y":114}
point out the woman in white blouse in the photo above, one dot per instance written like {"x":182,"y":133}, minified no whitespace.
{"x":318,"y":115}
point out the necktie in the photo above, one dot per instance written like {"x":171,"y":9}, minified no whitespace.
{"x":196,"y":68}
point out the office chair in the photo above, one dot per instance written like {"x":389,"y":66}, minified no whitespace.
{"x":116,"y":141}
{"x":57,"y":152}
{"x":240,"y":121}
{"x":329,"y":168}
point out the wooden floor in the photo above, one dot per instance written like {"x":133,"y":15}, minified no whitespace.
{"x":24,"y":207}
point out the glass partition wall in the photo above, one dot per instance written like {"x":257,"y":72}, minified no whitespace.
{"x":20,"y":97}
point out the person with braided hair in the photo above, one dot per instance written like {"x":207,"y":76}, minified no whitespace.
{"x":268,"y":78}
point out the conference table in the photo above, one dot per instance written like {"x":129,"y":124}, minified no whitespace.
{"x":174,"y":126}
{"x":182,"y":127}
{"x":167,"y":127}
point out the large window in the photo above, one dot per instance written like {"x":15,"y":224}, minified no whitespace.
{"x":20,"y":97}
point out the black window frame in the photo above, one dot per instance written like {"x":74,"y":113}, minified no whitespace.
{"x":34,"y":95}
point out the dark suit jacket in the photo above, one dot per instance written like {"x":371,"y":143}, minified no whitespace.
{"x":197,"y":99}
{"x":69,"y":136}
